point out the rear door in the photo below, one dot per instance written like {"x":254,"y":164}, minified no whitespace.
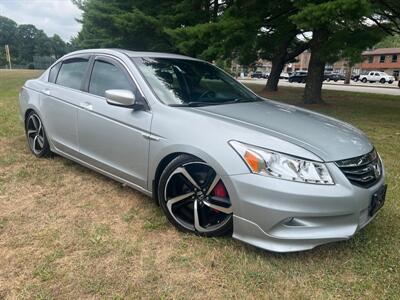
{"x":113,"y":138}
{"x":60,"y":100}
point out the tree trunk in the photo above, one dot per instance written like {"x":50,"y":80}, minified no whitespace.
{"x":348,"y":73}
{"x":281,"y":58}
{"x":316,"y":68}
{"x":278,"y":63}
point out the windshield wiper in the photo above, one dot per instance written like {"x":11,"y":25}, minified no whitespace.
{"x":196,"y":104}
{"x":206,"y":103}
{"x":241,"y":100}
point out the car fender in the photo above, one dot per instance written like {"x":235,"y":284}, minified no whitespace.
{"x":163,"y":152}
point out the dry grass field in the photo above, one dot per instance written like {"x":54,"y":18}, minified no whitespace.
{"x":68,"y":233}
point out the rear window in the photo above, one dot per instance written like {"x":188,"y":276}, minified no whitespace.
{"x":53,"y":72}
{"x":72,"y":73}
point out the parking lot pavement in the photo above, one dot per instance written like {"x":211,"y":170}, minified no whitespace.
{"x":372,"y":88}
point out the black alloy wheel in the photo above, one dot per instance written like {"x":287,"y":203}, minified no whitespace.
{"x":194,"y":198}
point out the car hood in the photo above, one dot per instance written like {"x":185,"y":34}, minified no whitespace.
{"x":326,"y":137}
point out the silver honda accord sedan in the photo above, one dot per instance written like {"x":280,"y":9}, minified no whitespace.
{"x":216,"y":157}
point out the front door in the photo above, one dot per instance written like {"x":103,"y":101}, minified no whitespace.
{"x":110,"y":137}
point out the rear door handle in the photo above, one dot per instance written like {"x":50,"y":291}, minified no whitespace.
{"x":86,"y":105}
{"x":46,"y":92}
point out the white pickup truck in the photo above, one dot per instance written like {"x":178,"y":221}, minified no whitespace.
{"x":375,"y":76}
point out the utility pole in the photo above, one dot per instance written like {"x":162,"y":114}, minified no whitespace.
{"x":8,"y":56}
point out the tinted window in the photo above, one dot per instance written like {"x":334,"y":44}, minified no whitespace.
{"x":106,"y":76}
{"x":72,"y":73}
{"x":53,"y":72}
{"x":394,"y":58}
{"x":382,"y":59}
{"x":185,"y":81}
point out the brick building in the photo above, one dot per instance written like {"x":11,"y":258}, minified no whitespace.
{"x":382,"y":59}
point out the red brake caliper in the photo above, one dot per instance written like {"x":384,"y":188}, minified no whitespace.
{"x":219,"y":191}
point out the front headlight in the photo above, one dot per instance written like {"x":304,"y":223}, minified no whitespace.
{"x":270,"y":163}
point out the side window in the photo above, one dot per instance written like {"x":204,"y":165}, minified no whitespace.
{"x":72,"y":73}
{"x":53,"y":72}
{"x":106,"y":76}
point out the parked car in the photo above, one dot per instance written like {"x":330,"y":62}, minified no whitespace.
{"x":284,"y":75}
{"x":333,"y":76}
{"x":376,"y":76}
{"x":216,"y":157}
{"x":259,"y":74}
{"x":355,"y":77}
{"x":299,"y":76}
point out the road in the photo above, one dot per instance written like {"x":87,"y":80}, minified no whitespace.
{"x":372,"y":88}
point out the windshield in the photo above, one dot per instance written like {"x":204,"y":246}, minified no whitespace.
{"x":190,"y":83}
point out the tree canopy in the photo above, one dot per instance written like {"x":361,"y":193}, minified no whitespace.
{"x":222,"y":30}
{"x":29,"y":45}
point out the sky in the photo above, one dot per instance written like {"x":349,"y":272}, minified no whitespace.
{"x":52,"y":16}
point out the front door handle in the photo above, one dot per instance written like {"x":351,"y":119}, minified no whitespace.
{"x":46,"y":92}
{"x":86,"y":105}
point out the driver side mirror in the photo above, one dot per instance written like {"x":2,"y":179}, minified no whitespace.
{"x":123,"y":98}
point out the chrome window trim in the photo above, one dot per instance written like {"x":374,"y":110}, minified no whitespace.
{"x":101,"y":54}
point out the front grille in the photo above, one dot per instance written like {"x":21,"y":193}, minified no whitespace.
{"x":363,"y":171}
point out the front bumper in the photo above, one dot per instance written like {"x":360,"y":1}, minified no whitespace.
{"x":285,"y":216}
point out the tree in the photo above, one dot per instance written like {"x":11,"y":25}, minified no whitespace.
{"x":8,"y":30}
{"x":58,"y":46}
{"x":391,"y":41}
{"x":278,"y":40}
{"x":25,"y":42}
{"x":134,"y":24}
{"x":42,"y":44}
{"x":29,"y":44}
{"x":338,"y":27}
{"x":245,"y":30}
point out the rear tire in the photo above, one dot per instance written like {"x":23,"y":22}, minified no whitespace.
{"x":383,"y":81}
{"x":194,"y":198}
{"x":36,"y":135}
{"x":364,"y":80}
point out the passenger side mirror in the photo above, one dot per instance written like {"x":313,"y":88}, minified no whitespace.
{"x":123,"y":98}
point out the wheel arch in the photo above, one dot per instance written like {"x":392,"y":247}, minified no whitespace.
{"x":159,"y":165}
{"x":27,"y":112}
{"x":160,"y":168}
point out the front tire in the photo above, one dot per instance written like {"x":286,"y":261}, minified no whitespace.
{"x":194,"y":198}
{"x":383,"y":81}
{"x":36,"y":135}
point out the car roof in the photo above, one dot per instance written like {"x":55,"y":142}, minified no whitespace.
{"x":130,"y":53}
